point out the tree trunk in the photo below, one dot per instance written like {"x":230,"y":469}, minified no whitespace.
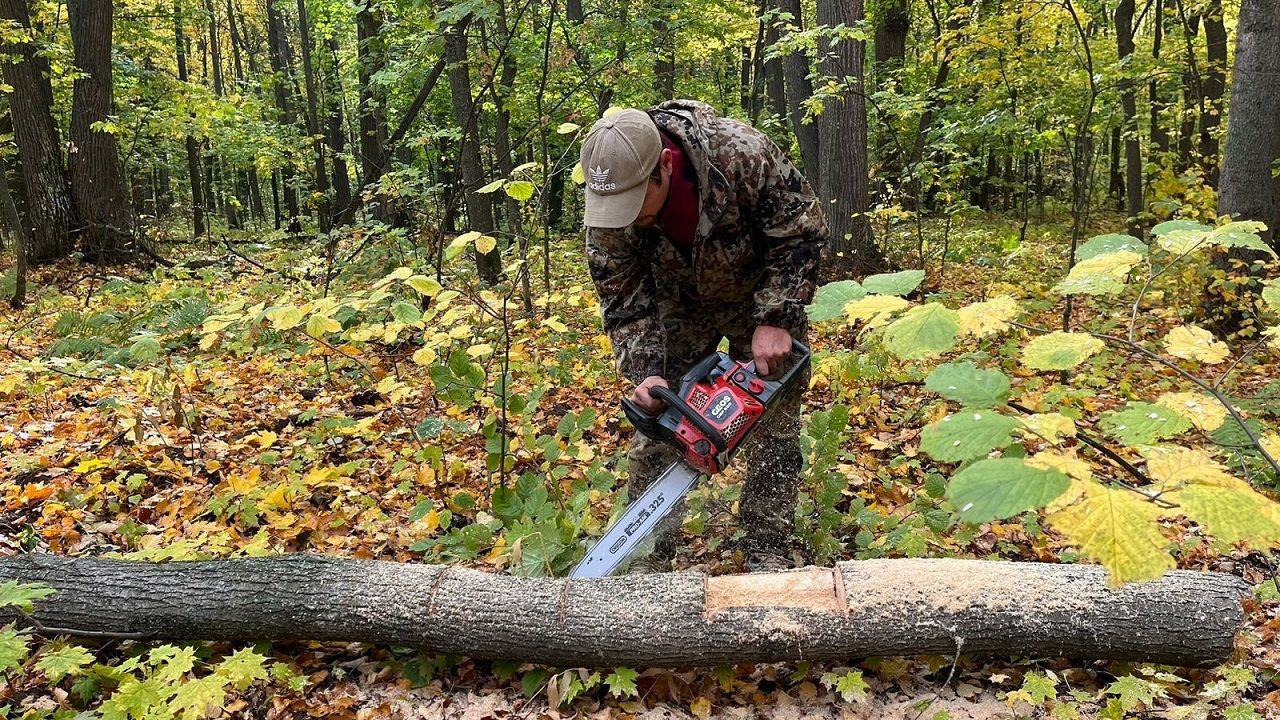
{"x":843,"y":124}
{"x":1246,"y":190}
{"x":855,"y":610}
{"x":373,"y":120}
{"x":1215,"y":35}
{"x":337,"y":138}
{"x":321,"y":180}
{"x":479,"y":205}
{"x":795,"y":68}
{"x":21,"y":238}
{"x":664,"y":53}
{"x":1192,"y":89}
{"x":891,"y":36}
{"x":1133,"y":180}
{"x":774,"y":80}
{"x":199,"y":228}
{"x":97,"y":179}
{"x":51,"y":213}
{"x":1159,"y":136}
{"x":278,"y":53}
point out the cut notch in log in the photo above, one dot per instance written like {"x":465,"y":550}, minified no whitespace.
{"x":854,"y":610}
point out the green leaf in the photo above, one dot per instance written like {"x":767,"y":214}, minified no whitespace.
{"x":1059,"y":350}
{"x":170,"y":662}
{"x":850,"y":685}
{"x":1103,"y":274}
{"x":1271,"y":294}
{"x":567,"y":127}
{"x":133,"y":699}
{"x":830,"y":300}
{"x":1038,"y":688}
{"x":1119,"y":529}
{"x":242,"y":668}
{"x":1183,"y":225}
{"x":1241,"y":234}
{"x":899,"y":283}
{"x":64,"y":660}
{"x":1143,"y":423}
{"x":23,"y":595}
{"x":967,"y":434}
{"x":1104,"y":244}
{"x":1181,"y":236}
{"x":520,"y":190}
{"x":405,"y":312}
{"x":195,"y":698}
{"x":491,"y":186}
{"x":1003,"y":487}
{"x":967,"y":384}
{"x":622,"y":682}
{"x":13,"y":650}
{"x":532,"y":682}
{"x":1135,"y":692}
{"x":1241,"y":712}
{"x":318,"y":325}
{"x":923,"y":331}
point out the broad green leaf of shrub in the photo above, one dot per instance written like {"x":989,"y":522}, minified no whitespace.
{"x":1204,"y":411}
{"x":520,"y":190}
{"x":967,"y":384}
{"x":987,"y":317}
{"x":1230,"y":510}
{"x":1271,"y":294}
{"x":1104,"y":244}
{"x":970,"y":433}
{"x":899,"y":283}
{"x":924,"y":331}
{"x":1241,"y":234}
{"x":1190,"y":342}
{"x":1059,"y":350}
{"x":1117,"y":528}
{"x":1181,"y":236}
{"x":830,"y":300}
{"x":1143,"y":423}
{"x":875,"y":310}
{"x":1099,"y":275}
{"x":423,"y":285}
{"x":1003,"y":487}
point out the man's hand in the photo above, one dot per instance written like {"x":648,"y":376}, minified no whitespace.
{"x":769,"y":347}
{"x":647,"y":402}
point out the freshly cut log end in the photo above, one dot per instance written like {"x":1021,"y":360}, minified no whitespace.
{"x":854,"y":610}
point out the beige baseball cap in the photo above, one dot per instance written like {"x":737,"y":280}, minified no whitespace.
{"x":617,"y":157}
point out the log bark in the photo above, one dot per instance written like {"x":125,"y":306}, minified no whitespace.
{"x":857,"y":609}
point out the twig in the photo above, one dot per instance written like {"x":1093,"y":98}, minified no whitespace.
{"x":1114,"y":457}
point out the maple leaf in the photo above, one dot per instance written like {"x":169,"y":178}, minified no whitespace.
{"x":622,"y":682}
{"x":195,"y":698}
{"x":63,"y":660}
{"x":1134,"y":692}
{"x":850,"y":685}
{"x":1037,"y":688}
{"x":23,"y":595}
{"x":13,"y":650}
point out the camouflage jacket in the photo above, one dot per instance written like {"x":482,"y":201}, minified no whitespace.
{"x":757,"y":245}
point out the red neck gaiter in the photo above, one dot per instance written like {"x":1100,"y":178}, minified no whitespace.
{"x":679,"y":217}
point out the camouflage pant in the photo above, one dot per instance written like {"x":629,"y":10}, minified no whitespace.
{"x":771,"y":458}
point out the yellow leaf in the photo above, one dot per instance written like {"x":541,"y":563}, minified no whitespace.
{"x":1172,"y":466}
{"x":284,"y":317}
{"x":460,"y":331}
{"x":275,"y":499}
{"x":485,"y":244}
{"x":388,"y":384}
{"x":701,"y":708}
{"x":423,"y":285}
{"x":1271,"y":443}
{"x":1050,"y":426}
{"x":480,"y":351}
{"x":1062,"y":460}
{"x":875,"y":310}
{"x":1119,"y":529}
{"x":400,"y":273}
{"x":579,"y":177}
{"x":263,"y":439}
{"x":987,"y":318}
{"x":556,"y":324}
{"x":91,"y":465}
{"x":1231,"y":511}
{"x":1203,"y":411}
{"x":319,"y":325}
{"x":1190,"y":342}
{"x":244,"y":484}
{"x":424,"y":356}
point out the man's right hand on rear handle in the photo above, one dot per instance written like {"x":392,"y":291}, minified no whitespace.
{"x":640,"y":396}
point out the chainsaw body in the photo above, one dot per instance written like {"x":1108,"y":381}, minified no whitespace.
{"x":719,"y":403}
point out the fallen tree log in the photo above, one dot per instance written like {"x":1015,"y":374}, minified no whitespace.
{"x":855,"y":610}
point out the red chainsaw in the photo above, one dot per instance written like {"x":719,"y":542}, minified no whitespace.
{"x":719,"y":405}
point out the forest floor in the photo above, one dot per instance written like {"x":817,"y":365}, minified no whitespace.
{"x":247,"y":407}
